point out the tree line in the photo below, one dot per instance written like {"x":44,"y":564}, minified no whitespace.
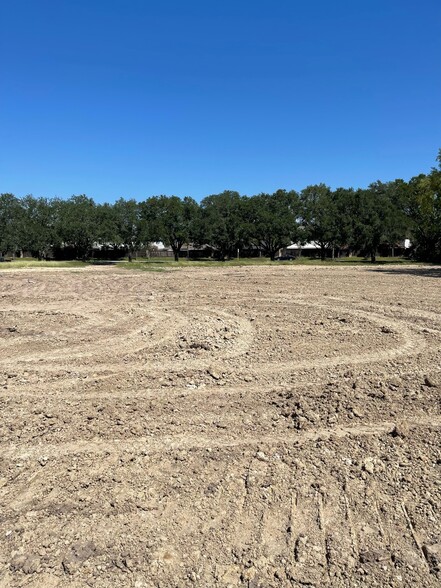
{"x":354,"y":220}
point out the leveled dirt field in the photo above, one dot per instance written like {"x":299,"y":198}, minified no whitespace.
{"x":260,"y":426}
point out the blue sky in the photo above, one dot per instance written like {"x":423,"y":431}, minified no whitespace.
{"x":135,"y":98}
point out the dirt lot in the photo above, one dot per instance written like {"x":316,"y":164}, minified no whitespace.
{"x":258,"y":426}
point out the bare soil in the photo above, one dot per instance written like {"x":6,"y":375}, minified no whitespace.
{"x":259,"y":426}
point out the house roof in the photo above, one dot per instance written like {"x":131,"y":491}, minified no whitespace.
{"x":311,"y":245}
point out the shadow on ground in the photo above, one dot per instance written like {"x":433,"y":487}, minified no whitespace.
{"x":425,"y":271}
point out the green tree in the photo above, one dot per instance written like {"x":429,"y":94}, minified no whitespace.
{"x":224,"y":223}
{"x":171,"y":220}
{"x":425,"y":214}
{"x":11,"y":224}
{"x":343,"y":199}
{"x":40,"y":225}
{"x":77,"y":224}
{"x":273,"y":220}
{"x":106,"y":225}
{"x":128,"y":225}
{"x":375,"y":219}
{"x":319,"y":216}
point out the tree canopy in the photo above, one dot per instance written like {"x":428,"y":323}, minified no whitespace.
{"x":354,"y":220}
{"x":171,"y":220}
{"x":274,"y":220}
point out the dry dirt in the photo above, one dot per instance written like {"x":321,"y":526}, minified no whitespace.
{"x":260,"y":427}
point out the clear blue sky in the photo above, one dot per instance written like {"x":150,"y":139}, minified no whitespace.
{"x":135,"y":98}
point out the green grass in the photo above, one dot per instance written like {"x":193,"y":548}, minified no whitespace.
{"x":31,"y":263}
{"x":164,"y":263}
{"x":356,"y":261}
{"x":160,"y":264}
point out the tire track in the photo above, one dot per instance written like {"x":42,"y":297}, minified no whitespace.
{"x":158,"y":444}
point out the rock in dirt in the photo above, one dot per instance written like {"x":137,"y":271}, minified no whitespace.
{"x":200,"y":345}
{"x":78,"y":554}
{"x":430,"y":382}
{"x":357,"y":412}
{"x":374,"y":556}
{"x":400,"y":430}
{"x":261,"y":456}
{"x":27,"y":563}
{"x":433,"y":555}
{"x":123,"y":563}
{"x":368,"y":465}
{"x":386,"y":330}
{"x":215,"y":375}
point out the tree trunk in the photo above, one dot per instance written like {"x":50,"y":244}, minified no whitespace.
{"x":373,"y":257}
{"x":322,"y":253}
{"x":272,"y":255}
{"x":176,"y":253}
